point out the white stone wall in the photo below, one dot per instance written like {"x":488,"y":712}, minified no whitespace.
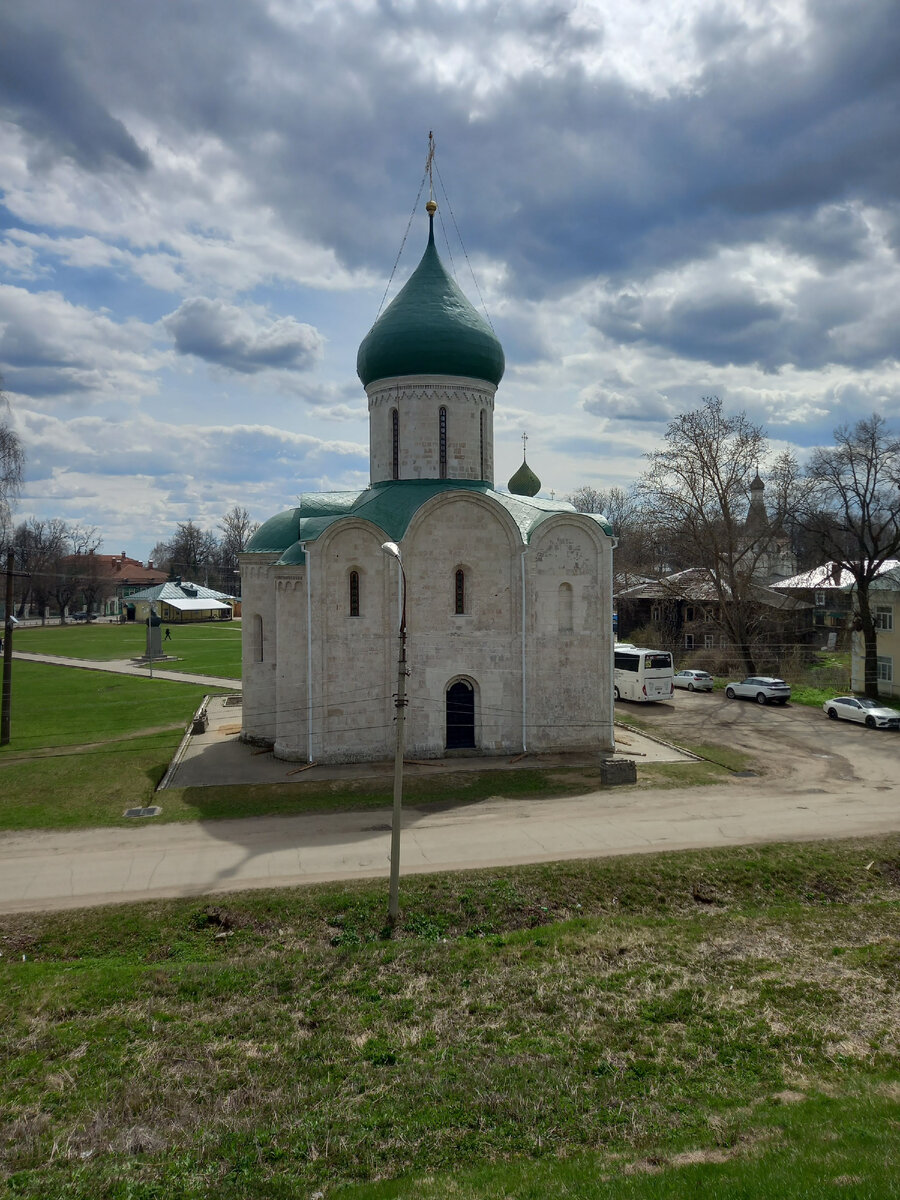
{"x":290,"y":682}
{"x":258,"y":657}
{"x":568,"y":571}
{"x":418,"y":400}
{"x":471,"y":532}
{"x":349,"y":686}
{"x":355,"y":662}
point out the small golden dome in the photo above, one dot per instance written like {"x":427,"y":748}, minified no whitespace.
{"x":431,"y":208}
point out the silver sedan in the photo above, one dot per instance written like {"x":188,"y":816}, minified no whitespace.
{"x":862,"y":709}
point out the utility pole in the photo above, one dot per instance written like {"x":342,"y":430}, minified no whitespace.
{"x":7,"y":652}
{"x":393,"y":551}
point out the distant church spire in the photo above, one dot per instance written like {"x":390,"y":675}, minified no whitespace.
{"x":757,"y":522}
{"x":524,"y":482}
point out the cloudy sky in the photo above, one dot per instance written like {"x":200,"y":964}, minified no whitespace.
{"x":202,"y":202}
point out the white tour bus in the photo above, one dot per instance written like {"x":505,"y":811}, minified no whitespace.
{"x":642,"y":674}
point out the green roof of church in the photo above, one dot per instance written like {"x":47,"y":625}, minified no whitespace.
{"x":391,"y":506}
{"x":430,"y":328}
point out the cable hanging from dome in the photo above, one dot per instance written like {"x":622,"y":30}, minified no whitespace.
{"x":426,"y":175}
{"x":462,"y":244}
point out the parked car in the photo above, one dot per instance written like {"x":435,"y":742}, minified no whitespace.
{"x":81,"y":616}
{"x":761,"y":688}
{"x":862,"y":709}
{"x":694,"y":681}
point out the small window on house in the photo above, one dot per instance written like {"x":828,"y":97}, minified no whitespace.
{"x":395,"y":444}
{"x":884,"y":618}
{"x":688,"y":641}
{"x":709,"y":641}
{"x":885,"y":671}
{"x":654,"y":613}
{"x":354,"y":593}
{"x":442,"y":440}
{"x":723,"y":642}
{"x":459,"y":599}
{"x":820,"y":599}
{"x":689,"y":613}
{"x":565,"y":606}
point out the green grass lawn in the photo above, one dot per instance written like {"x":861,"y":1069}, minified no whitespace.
{"x":87,"y":745}
{"x":716,"y":1023}
{"x":212,"y":648}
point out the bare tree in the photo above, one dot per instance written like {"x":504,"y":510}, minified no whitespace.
{"x":237,"y":530}
{"x":193,"y":551}
{"x":622,"y":507}
{"x":12,"y":466}
{"x":38,"y":546}
{"x":161,"y":555}
{"x":696,"y":495}
{"x":853,"y":511}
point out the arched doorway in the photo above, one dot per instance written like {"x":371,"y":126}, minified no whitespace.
{"x":461,"y":716}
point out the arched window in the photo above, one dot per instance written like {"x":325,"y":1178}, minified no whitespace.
{"x":258,"y":644}
{"x":459,"y":597}
{"x":395,"y":444}
{"x":354,"y":593}
{"x":481,"y":443}
{"x":442,"y":440}
{"x":564,"y":608}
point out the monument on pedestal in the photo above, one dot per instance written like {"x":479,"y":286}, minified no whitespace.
{"x":154,"y":637}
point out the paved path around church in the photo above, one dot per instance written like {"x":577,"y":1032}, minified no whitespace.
{"x":822,"y":780}
{"x":126,"y":666}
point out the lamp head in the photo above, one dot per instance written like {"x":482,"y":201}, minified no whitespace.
{"x":392,"y":550}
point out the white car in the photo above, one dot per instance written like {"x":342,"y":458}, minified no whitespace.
{"x":862,"y":709}
{"x":694,"y":681}
{"x":761,"y":688}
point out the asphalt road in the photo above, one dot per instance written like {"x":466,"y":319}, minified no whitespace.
{"x":817,"y":780}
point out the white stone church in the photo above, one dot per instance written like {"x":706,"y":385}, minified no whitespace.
{"x":509,"y":597}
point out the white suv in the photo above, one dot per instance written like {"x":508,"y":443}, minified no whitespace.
{"x":761,"y":688}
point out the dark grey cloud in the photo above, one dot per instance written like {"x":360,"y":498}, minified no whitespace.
{"x":561,"y":174}
{"x":832,"y":236}
{"x":230,"y":337}
{"x":42,"y":89}
{"x":635,"y":405}
{"x":849,"y":321}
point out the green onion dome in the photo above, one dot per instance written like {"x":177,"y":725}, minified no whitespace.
{"x":524,"y":482}
{"x":430,"y":328}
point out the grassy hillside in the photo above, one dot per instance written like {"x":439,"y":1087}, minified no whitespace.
{"x":721,"y":1023}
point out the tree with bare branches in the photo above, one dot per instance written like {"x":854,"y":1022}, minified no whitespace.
{"x":622,"y":508}
{"x":696,"y":499}
{"x":12,"y":466}
{"x":853,"y":512}
{"x":237,"y":530}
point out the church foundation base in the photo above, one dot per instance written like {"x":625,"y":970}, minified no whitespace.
{"x":290,"y":753}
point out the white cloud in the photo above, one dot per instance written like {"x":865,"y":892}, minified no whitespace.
{"x":51,"y":348}
{"x":240,"y":340}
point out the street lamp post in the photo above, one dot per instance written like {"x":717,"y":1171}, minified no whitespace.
{"x":393,"y":551}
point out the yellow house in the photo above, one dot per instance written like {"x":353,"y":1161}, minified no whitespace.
{"x":884,"y":595}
